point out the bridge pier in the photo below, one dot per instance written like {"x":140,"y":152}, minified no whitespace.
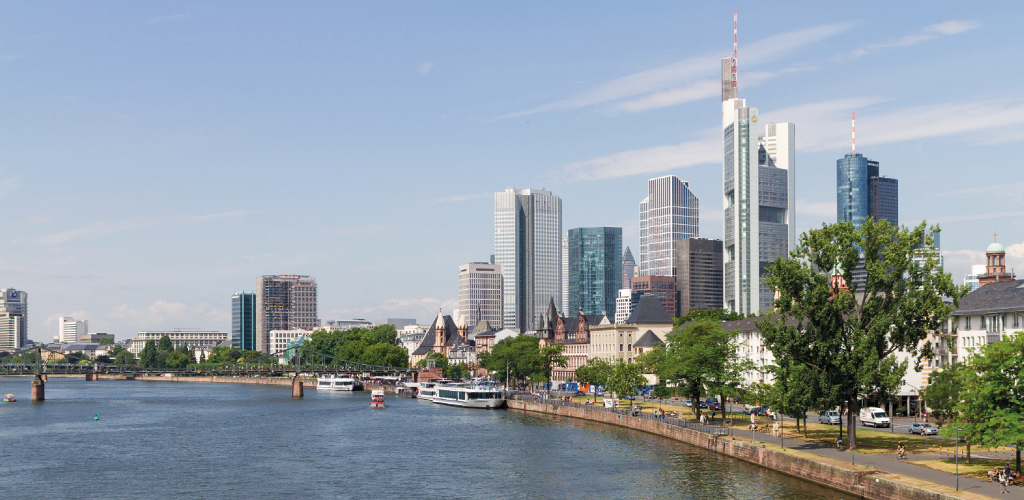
{"x":89,"y":377}
{"x":38,"y":388}
{"x":297,"y":387}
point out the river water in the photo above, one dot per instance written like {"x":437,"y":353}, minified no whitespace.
{"x":195,"y":440}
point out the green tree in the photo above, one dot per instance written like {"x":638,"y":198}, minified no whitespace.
{"x":944,"y":392}
{"x":386,"y":355}
{"x":454,"y":371}
{"x":439,"y":360}
{"x":793,"y":392}
{"x":705,"y":315}
{"x":165,"y":344}
{"x":551,"y":356}
{"x":594,"y":373}
{"x":702,"y":358}
{"x":626,"y":379}
{"x":148,"y":355}
{"x":850,"y":338}
{"x":202,"y":358}
{"x":124,"y":357}
{"x":176,"y":359}
{"x":519,"y":356}
{"x":106,"y":341}
{"x":652,"y":360}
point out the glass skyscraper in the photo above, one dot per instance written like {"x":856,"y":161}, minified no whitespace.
{"x":595,"y":269}
{"x":670,"y":212}
{"x":243,"y":321}
{"x":528,"y":247}
{"x":862,"y":193}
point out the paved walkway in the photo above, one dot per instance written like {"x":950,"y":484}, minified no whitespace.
{"x":889,"y":463}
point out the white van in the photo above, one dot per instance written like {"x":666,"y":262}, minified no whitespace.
{"x":610,"y":403}
{"x":876,"y":417}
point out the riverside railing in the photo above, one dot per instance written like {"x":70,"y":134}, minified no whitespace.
{"x":714,"y":430}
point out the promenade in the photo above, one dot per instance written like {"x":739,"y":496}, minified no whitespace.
{"x":864,"y":474}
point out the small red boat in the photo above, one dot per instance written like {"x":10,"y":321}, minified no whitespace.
{"x":377,"y":399}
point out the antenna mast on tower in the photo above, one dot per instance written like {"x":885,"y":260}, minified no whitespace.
{"x":853,"y":132}
{"x":734,"y":51}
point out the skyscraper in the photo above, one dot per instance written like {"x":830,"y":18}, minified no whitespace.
{"x":669,"y":212}
{"x":15,"y":304}
{"x":69,"y":330}
{"x":699,"y":281}
{"x":243,"y":321}
{"x":284,"y":302}
{"x":628,"y":263}
{"x":564,"y":305}
{"x":595,"y":270}
{"x":481,"y":294}
{"x":527,"y":246}
{"x":759,"y":181}
{"x":862,"y":193}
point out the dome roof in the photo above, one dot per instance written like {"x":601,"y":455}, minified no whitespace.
{"x":995,"y":247}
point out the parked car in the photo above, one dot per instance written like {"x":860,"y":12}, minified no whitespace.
{"x":711,"y":404}
{"x":875,"y":417}
{"x":829,"y":417}
{"x":922,"y":429}
{"x":760,"y":411}
{"x":579,"y":393}
{"x":687,"y":403}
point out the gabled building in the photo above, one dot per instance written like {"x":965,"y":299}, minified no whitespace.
{"x":442,"y":336}
{"x":613,"y":342}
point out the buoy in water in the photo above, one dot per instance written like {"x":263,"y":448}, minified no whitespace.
{"x":97,"y":417}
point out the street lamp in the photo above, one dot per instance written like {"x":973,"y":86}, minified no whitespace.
{"x":956,"y":453}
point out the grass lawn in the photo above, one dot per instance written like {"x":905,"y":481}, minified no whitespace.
{"x":978,"y":468}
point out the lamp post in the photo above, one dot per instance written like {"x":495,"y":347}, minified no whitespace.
{"x":956,"y":453}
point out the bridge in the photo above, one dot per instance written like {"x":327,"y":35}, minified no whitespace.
{"x":302,"y":361}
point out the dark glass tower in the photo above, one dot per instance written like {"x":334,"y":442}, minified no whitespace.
{"x":861,"y":192}
{"x":595,"y":269}
{"x":243,"y":321}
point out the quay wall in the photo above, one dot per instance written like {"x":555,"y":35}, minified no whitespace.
{"x":865,"y":483}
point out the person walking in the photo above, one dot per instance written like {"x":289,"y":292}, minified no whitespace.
{"x":1002,"y":481}
{"x":775,"y":429}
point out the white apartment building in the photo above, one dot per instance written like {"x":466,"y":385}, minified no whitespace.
{"x":10,"y":332}
{"x":614,"y":341}
{"x":69,"y":330}
{"x":623,"y":305}
{"x":281,"y":340}
{"x":194,"y":339}
{"x":481,"y":294}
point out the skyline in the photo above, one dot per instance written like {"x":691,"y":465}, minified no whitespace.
{"x":156,"y":159}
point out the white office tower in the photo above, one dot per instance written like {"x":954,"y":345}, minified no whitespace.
{"x":14,"y":318}
{"x":69,"y":330}
{"x":670,"y":212}
{"x":527,"y":246}
{"x":623,"y":306}
{"x":481,"y":295}
{"x":759,"y":180}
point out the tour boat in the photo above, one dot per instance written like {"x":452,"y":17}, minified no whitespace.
{"x":9,"y":398}
{"x":469,"y":397}
{"x":377,"y":398}
{"x":338,"y":383}
{"x":407,"y":389}
{"x":427,"y":390}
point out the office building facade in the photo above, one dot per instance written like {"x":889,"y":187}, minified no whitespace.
{"x":69,"y":330}
{"x":15,"y":304}
{"x":670,"y":212}
{"x":527,"y":246}
{"x":861,"y":192}
{"x":595,"y":270}
{"x":284,"y":302}
{"x":481,"y":293}
{"x":628,"y":268}
{"x":699,"y":277}
{"x":662,"y":287}
{"x":243,"y":321}
{"x":759,"y":182}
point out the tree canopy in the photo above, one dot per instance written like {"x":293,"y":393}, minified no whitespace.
{"x":373,"y":346}
{"x":702,"y":358}
{"x":595,"y":372}
{"x":704,"y":315}
{"x":626,"y":379}
{"x":848,"y":336}
{"x":519,"y":356}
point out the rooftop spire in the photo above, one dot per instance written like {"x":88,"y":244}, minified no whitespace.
{"x":734,"y":46}
{"x":853,"y":132}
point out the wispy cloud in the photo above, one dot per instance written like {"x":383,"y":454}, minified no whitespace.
{"x":970,"y":217}
{"x":162,"y":314}
{"x":100,"y":229}
{"x":167,"y":19}
{"x":461,"y":197}
{"x":688,"y":79}
{"x":426,"y":66}
{"x":951,"y":27}
{"x":642,"y":161}
{"x":423,"y":309}
{"x":989,"y":191}
{"x":10,"y":57}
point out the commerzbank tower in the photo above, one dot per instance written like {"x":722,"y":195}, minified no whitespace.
{"x":758,"y":188}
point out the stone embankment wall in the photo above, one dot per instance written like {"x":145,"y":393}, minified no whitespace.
{"x":863,"y":483}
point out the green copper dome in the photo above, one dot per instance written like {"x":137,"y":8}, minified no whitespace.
{"x":995,"y":247}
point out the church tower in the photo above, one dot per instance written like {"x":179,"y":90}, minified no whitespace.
{"x":995,"y":265}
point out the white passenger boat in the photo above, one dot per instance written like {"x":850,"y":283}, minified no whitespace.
{"x":407,"y":389}
{"x":427,"y":390}
{"x":377,"y":398}
{"x":338,"y":383}
{"x":469,"y":397}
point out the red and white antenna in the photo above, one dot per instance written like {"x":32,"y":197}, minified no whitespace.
{"x":734,"y":51}
{"x":853,"y":132}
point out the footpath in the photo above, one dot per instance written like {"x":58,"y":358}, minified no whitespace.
{"x":867,"y":475}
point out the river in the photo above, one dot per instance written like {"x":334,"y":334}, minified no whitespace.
{"x":193,"y":440}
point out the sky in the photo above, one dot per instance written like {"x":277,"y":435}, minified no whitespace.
{"x":156,"y":157}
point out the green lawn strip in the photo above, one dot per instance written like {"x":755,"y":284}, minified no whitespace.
{"x":868,"y":440}
{"x":939,"y":488}
{"x":978,"y":467}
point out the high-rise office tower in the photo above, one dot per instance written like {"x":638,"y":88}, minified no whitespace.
{"x":595,"y":270}
{"x":284,"y":302}
{"x":628,"y":265}
{"x":243,"y":321}
{"x":564,"y":305}
{"x":527,"y":246}
{"x":861,"y":192}
{"x":699,"y":280}
{"x":481,"y":295}
{"x":670,"y":212}
{"x":69,"y":330}
{"x":15,"y":304}
{"x":663,"y":287}
{"x":759,"y":181}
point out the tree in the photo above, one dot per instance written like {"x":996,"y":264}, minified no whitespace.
{"x":125,"y":357}
{"x":793,"y":392}
{"x":702,"y":357}
{"x":992,"y":409}
{"x":165,"y":344}
{"x":944,"y":392}
{"x":626,"y":379}
{"x":848,"y":336}
{"x":705,"y":315}
{"x":386,"y":355}
{"x":106,"y":341}
{"x":519,"y":356}
{"x":176,"y":359}
{"x":594,"y":373}
{"x":439,"y":360}
{"x":551,"y":356}
{"x":202,"y":358}
{"x":147,"y":357}
{"x":661,"y":391}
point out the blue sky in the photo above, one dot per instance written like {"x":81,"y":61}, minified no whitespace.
{"x":155,"y":157}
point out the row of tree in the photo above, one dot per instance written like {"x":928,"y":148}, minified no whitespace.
{"x":373,"y":346}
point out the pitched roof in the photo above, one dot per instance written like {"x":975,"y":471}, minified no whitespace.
{"x":451,"y":332}
{"x":747,"y":325}
{"x":649,"y":310}
{"x":648,"y":339}
{"x":1001,"y":296}
{"x":482,"y":327}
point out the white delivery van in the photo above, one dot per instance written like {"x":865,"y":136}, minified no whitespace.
{"x":875,"y":417}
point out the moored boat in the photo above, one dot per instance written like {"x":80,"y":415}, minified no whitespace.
{"x":377,"y":398}
{"x":407,"y":389}
{"x":470,"y":397}
{"x":338,"y":383}
{"x":427,"y":390}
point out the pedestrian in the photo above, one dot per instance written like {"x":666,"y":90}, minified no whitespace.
{"x":1002,"y":482}
{"x":775,"y":429}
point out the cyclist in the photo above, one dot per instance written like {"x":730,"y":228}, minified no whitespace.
{"x":839,"y":443}
{"x":901,"y":450}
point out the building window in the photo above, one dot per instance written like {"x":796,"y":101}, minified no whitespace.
{"x":967,"y":322}
{"x":1016,"y":320}
{"x":983,"y":325}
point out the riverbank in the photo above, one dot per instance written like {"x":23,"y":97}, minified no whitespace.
{"x":865,"y":482}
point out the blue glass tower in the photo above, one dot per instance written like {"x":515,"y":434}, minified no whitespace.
{"x":595,"y":269}
{"x":243,"y":321}
{"x":862,"y":193}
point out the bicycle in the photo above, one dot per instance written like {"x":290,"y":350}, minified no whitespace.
{"x":839,"y":445}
